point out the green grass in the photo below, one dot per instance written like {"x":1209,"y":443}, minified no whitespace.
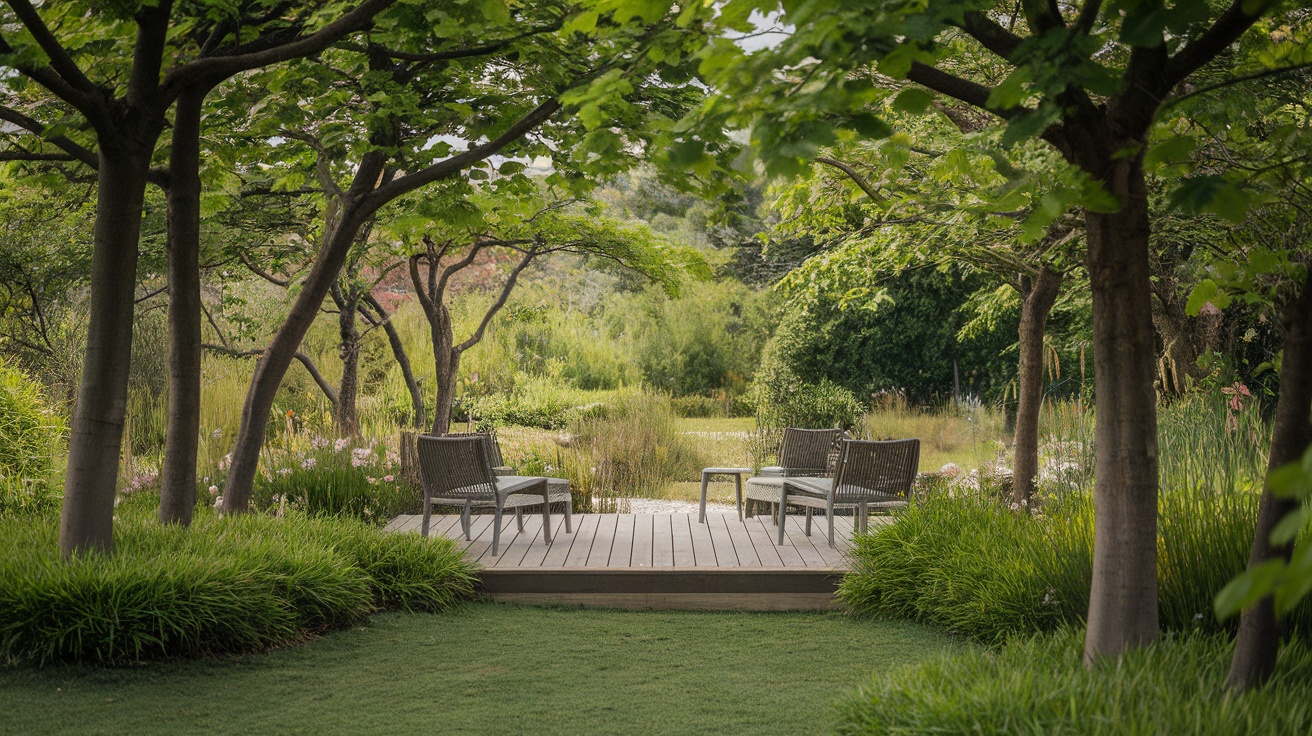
{"x":1040,"y":686}
{"x":489,"y":668}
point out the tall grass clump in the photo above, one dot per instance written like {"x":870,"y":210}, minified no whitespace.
{"x":1040,"y":686}
{"x":343,"y":477}
{"x":1213,"y":442}
{"x":983,"y":570}
{"x":32,"y":434}
{"x":233,"y":584}
{"x":632,"y":450}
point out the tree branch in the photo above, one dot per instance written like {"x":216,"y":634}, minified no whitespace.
{"x":454,"y":164}
{"x":217,"y":68}
{"x":60,"y":61}
{"x":990,"y":35}
{"x":305,"y":360}
{"x":74,"y":150}
{"x":509,"y":286}
{"x":262,"y":273}
{"x":1227,"y":29}
{"x":855,"y":176}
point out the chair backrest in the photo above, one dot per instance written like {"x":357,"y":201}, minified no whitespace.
{"x":455,"y":467}
{"x":883,"y":470}
{"x":490,"y":445}
{"x":807,"y":451}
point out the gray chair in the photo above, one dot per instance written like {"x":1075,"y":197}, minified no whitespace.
{"x":868,"y":475}
{"x":458,"y":471}
{"x":803,"y":453}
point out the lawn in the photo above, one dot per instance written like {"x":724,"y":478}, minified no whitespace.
{"x":491,"y":668}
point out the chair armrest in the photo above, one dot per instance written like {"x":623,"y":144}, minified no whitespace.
{"x":503,"y":470}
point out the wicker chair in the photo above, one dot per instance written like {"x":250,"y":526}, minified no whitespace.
{"x":457,"y":471}
{"x":869,"y":475}
{"x":490,"y":446}
{"x":803,"y":453}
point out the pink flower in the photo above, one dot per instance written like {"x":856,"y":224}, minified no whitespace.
{"x":389,"y":478}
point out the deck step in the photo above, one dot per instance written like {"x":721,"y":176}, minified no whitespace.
{"x":756,"y":589}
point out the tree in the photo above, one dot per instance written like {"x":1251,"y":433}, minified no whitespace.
{"x":399,"y":100}
{"x":127,"y":110}
{"x":943,"y":193}
{"x":530,"y":234}
{"x":1089,"y":79}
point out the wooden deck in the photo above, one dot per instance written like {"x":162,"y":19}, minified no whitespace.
{"x":654,"y":560}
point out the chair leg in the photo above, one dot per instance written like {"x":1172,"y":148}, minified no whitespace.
{"x":783,"y":504}
{"x":546,"y":514}
{"x":738,"y":493}
{"x":701,"y":514}
{"x":831,"y":527}
{"x":808,"y":521}
{"x":496,"y":530}
{"x":428,"y":513}
{"x":465,"y":521}
{"x":569,"y":516}
{"x":865,"y":517}
{"x":519,"y":518}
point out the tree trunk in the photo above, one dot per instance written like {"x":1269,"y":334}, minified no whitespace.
{"x":344,"y":410}
{"x":447,"y":364}
{"x":1259,"y":633}
{"x":1039,"y":296}
{"x":1123,"y":598}
{"x":177,"y":495}
{"x":273,"y":364}
{"x":96,"y":435}
{"x":420,"y":418}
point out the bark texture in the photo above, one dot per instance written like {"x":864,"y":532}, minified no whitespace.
{"x":177,"y":500}
{"x":1039,"y":294}
{"x":1123,"y":597}
{"x":1258,"y":641}
{"x":345,"y":414}
{"x":96,"y":433}
{"x":384,"y":319}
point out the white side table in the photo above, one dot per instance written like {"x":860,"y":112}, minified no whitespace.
{"x":737,"y":474}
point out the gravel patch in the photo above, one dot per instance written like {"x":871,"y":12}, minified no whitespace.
{"x":662,"y":506}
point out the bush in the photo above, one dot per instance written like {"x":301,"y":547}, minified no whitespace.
{"x":981,"y":570}
{"x":782,"y":399}
{"x":31,"y":435}
{"x":633,"y":450}
{"x":235,"y":584}
{"x":338,"y":478}
{"x":1040,"y":686}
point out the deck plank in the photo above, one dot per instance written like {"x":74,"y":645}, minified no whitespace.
{"x":480,"y":534}
{"x":602,"y":540}
{"x":722,"y":552}
{"x":621,"y":549}
{"x":762,"y":534}
{"x":578,"y":553}
{"x":684,"y":555}
{"x":513,"y":554}
{"x":563,"y":547}
{"x":642,"y":540}
{"x":662,"y":541}
{"x":742,"y":544}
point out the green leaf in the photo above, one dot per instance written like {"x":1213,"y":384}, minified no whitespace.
{"x":1172,"y":150}
{"x":1206,"y":291}
{"x":912,"y":100}
{"x":1248,"y":588}
{"x":585,"y":22}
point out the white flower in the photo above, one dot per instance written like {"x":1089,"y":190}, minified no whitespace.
{"x":225,"y":462}
{"x":309,"y":463}
{"x":1198,"y":617}
{"x":371,"y":480}
{"x":214,"y":490}
{"x":284,"y":471}
{"x":216,"y":433}
{"x":341,"y":444}
{"x":218,"y":502}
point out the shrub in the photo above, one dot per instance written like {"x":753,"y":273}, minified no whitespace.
{"x":232,"y":584}
{"x":336,"y":477}
{"x":31,"y":434}
{"x":981,"y":570}
{"x":1040,"y":686}
{"x":782,"y":399}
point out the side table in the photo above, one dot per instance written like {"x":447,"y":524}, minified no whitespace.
{"x":737,"y":474}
